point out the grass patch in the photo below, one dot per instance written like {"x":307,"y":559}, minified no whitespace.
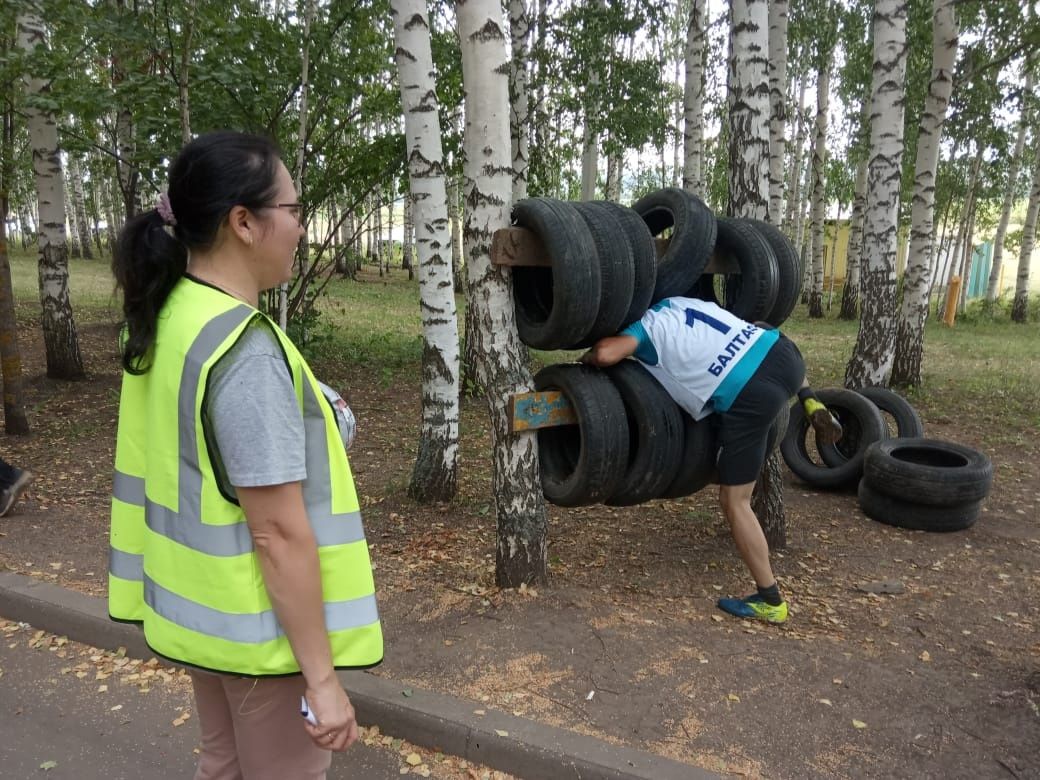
{"x":985,"y":364}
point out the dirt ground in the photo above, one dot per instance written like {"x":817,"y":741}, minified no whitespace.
{"x":939,"y":680}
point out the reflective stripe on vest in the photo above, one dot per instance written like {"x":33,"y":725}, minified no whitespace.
{"x":186,"y":528}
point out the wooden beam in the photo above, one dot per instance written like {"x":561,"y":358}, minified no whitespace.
{"x":545,"y":409}
{"x":518,"y":246}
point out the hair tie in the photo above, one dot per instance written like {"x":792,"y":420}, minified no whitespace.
{"x":165,"y":210}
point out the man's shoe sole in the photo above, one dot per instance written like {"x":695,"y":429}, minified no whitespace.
{"x":828,"y":430}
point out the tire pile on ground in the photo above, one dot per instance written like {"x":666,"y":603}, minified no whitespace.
{"x":904,"y":480}
{"x":632,"y":443}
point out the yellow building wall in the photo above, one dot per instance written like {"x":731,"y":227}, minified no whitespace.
{"x":836,"y":255}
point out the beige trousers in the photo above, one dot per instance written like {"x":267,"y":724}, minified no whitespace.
{"x":252,"y":729}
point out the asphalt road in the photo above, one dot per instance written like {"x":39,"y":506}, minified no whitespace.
{"x":56,"y":725}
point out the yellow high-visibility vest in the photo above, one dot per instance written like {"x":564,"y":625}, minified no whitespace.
{"x":182,"y":560}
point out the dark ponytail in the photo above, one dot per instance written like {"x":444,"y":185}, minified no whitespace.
{"x":211,"y":175}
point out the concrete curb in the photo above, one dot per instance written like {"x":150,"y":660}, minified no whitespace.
{"x":521,"y":747}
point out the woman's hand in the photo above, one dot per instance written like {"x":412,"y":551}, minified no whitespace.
{"x":337,"y":729}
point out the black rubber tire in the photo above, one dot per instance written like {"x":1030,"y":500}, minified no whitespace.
{"x":916,"y":517}
{"x":907,"y":420}
{"x":556,"y":307}
{"x":751,"y":293}
{"x":644,"y":260}
{"x":928,"y":471}
{"x":788,"y":271}
{"x":697,"y":464}
{"x":616,"y":270}
{"x":654,"y":435}
{"x":693,"y":237}
{"x":582,"y":464}
{"x":850,"y":408}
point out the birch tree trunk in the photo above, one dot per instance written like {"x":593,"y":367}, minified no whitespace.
{"x":872,"y":357}
{"x":818,"y":207}
{"x":59,"y":326}
{"x":693,"y":101}
{"x":182,"y":76}
{"x":519,"y":119}
{"x":303,"y":248}
{"x":794,"y":182}
{"x":407,"y":226}
{"x":457,"y":269}
{"x":80,"y":208}
{"x":435,"y":476}
{"x":906,"y":369}
{"x":748,"y":104}
{"x":777,"y":106}
{"x":71,"y":225}
{"x":589,"y":154}
{"x":748,"y":118}
{"x":501,"y":366}
{"x":992,"y":293}
{"x":15,"y":421}
{"x":1020,"y":304}
{"x":850,"y":291}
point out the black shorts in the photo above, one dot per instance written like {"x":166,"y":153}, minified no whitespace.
{"x":743,"y":430}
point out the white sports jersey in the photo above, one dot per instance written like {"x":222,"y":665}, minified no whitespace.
{"x":705,"y":355}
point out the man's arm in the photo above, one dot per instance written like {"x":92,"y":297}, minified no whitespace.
{"x":610,"y":350}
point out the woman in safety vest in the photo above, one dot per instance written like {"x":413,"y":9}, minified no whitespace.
{"x":236,"y":539}
{"x":710,"y":361}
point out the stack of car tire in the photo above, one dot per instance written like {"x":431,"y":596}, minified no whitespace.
{"x":907,"y":480}
{"x":632,"y":443}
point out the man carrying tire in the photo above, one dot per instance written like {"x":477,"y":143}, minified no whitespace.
{"x":712,"y":362}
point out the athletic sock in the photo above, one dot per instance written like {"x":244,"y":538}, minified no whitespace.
{"x":771,"y":595}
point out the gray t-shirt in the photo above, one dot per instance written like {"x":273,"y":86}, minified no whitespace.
{"x":251,"y":418}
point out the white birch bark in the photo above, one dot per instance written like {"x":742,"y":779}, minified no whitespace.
{"x":590,"y":152}
{"x":71,"y":225}
{"x":435,"y":475}
{"x":80,"y":208}
{"x":303,"y":250}
{"x":917,"y":279}
{"x":850,"y":291}
{"x":748,"y":103}
{"x":693,"y":101}
{"x":1020,"y":303}
{"x":992,"y":293}
{"x":777,"y":106}
{"x":519,"y":119}
{"x":818,"y":199}
{"x":748,"y":95}
{"x":794,"y":182}
{"x":59,"y":326}
{"x":407,"y":232}
{"x":501,"y":366}
{"x":872,"y":357}
{"x":677,"y":134}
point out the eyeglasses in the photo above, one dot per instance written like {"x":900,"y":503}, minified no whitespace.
{"x":296,"y":209}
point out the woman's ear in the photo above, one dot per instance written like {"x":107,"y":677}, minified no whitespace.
{"x":242,"y":223}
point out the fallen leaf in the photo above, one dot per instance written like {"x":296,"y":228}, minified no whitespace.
{"x":859,"y":724}
{"x":502,"y":733}
{"x":47,"y":766}
{"x":825,"y":701}
{"x":589,"y":697}
{"x":733,"y":697}
{"x":414,"y":759}
{"x":406,"y":692}
{"x":479,"y":712}
{"x":925,"y":656}
{"x":117,"y":707}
